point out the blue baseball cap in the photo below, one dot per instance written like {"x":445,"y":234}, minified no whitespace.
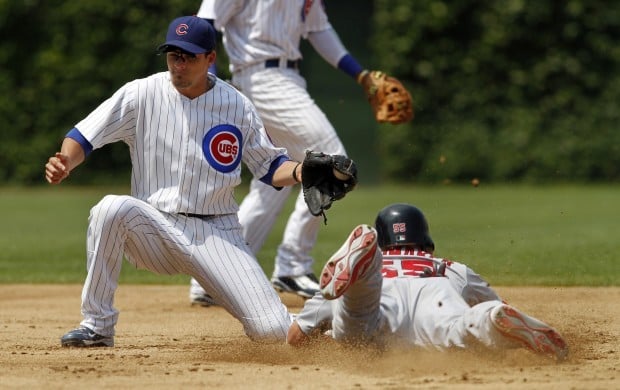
{"x":191,"y":34}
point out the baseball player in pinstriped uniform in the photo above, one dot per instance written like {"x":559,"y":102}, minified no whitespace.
{"x":187,"y":133}
{"x":384,"y":286}
{"x":262,"y":41}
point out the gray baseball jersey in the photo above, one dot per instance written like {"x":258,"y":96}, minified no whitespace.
{"x":430,"y":312}
{"x":181,"y":218}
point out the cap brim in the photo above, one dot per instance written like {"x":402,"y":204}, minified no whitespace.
{"x":185,"y":46}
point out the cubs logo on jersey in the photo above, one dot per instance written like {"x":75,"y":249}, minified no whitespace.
{"x":221,"y":147}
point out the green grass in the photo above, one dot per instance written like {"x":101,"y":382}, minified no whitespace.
{"x":513,"y":235}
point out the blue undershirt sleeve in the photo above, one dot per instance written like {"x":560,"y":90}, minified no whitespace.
{"x":75,"y":135}
{"x":350,"y":66}
{"x":268,"y":178}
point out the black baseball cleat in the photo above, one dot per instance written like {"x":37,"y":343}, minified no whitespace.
{"x":204,"y":300}
{"x":84,"y":337}
{"x":304,"y":285}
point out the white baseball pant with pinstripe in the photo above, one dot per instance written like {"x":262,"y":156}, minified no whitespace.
{"x":210,"y":249}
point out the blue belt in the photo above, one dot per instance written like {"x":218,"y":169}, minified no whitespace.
{"x":275,"y":63}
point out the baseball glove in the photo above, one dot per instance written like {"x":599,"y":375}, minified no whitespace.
{"x":389,"y":99}
{"x":326,"y":178}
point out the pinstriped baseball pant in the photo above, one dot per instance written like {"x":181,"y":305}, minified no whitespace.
{"x":211,"y":250}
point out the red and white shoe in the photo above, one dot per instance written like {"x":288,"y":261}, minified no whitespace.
{"x":349,"y":262}
{"x":530,"y":332}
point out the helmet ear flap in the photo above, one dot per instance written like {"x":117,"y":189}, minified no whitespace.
{"x":430,"y":246}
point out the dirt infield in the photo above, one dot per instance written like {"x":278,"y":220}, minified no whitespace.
{"x":164,"y":343}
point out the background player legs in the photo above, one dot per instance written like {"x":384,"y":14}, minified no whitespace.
{"x":304,"y":128}
{"x":300,"y":235}
{"x":257,"y":221}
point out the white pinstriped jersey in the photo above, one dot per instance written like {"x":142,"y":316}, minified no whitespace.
{"x":185,"y":153}
{"x":249,"y":42}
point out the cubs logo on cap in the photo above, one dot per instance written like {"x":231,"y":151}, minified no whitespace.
{"x":181,"y":29}
{"x":221,"y":147}
{"x":191,"y":34}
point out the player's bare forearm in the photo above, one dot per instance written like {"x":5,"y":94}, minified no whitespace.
{"x":287,"y":174}
{"x":60,"y":164}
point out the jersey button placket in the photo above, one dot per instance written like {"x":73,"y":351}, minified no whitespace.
{"x":184,"y":166}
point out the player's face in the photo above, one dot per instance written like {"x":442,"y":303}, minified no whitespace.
{"x":188,"y":71}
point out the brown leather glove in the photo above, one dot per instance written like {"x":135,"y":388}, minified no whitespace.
{"x":388,"y":97}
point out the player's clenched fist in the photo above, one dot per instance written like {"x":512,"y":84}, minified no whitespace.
{"x":60,"y":164}
{"x":56,"y":169}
